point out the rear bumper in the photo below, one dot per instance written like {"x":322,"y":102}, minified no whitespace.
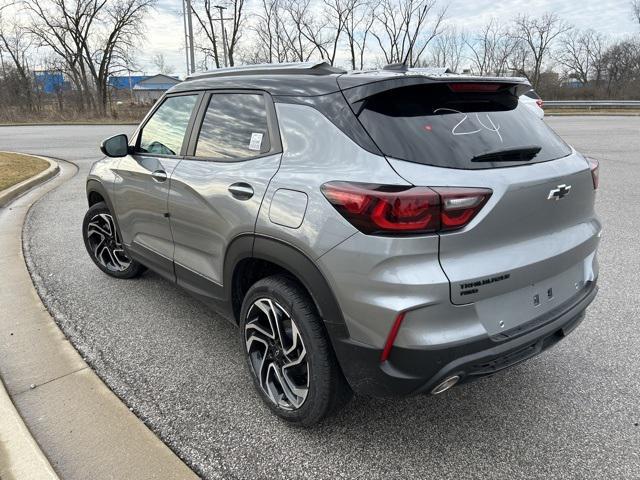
{"x":412,"y":371}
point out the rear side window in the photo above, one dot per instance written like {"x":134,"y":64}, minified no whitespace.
{"x":532,"y":94}
{"x":433,"y":125}
{"x":164,"y":133}
{"x":234,"y":127}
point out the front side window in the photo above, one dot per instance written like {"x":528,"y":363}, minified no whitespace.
{"x":234,"y":127}
{"x":164,"y":133}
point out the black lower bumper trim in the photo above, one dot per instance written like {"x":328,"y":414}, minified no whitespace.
{"x":410,"y":371}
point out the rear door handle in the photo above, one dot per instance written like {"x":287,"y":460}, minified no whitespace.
{"x":159,"y":175}
{"x":241,"y":190}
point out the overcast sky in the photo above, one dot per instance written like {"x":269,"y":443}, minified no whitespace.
{"x":165,"y":34}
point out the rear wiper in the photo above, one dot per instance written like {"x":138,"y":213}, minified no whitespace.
{"x":519,"y":154}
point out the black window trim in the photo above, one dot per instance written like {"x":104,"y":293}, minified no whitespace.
{"x":135,"y":143}
{"x":273,"y":130}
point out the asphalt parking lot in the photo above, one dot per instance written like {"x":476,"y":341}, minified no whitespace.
{"x":573,"y":412}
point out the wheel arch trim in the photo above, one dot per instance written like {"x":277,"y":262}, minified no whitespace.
{"x":94,"y":186}
{"x":292,"y":259}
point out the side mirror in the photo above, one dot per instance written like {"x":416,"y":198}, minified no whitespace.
{"x":116,"y":146}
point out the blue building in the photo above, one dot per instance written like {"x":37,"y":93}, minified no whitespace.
{"x":151,"y":89}
{"x":145,"y":88}
{"x":49,"y":81}
{"x":125,"y":82}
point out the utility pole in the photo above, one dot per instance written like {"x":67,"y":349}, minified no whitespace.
{"x":192,"y":59}
{"x":186,"y":38}
{"x":224,"y":33}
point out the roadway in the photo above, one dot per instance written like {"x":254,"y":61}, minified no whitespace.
{"x":571,"y":413}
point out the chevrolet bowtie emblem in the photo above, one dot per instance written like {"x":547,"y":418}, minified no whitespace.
{"x":559,"y":192}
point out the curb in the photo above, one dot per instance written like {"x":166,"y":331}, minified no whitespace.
{"x":73,"y":423}
{"x":9,"y":194}
{"x":20,"y":455}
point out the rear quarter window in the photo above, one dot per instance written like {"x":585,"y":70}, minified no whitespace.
{"x":235,"y":127}
{"x":432,"y":125}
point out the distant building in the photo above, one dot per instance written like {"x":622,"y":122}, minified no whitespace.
{"x":49,"y":81}
{"x":572,"y":83}
{"x":125,"y":82}
{"x":152,"y":88}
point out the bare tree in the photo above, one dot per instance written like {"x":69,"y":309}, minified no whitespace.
{"x":538,"y":34}
{"x":161,"y":64}
{"x":519,"y":60}
{"x":123,"y":22}
{"x":92,"y":37}
{"x":270,"y":45}
{"x":447,"y":49}
{"x":404,"y":29}
{"x":16,"y":43}
{"x":358,"y":24}
{"x":237,"y":25}
{"x":622,"y":62}
{"x":302,"y":32}
{"x":580,"y":53}
{"x":65,"y":31}
{"x":208,"y":18}
{"x":635,"y":8}
{"x":491,"y":49}
{"x":336,"y":14}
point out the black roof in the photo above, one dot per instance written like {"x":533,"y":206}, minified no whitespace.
{"x":318,"y":78}
{"x":280,"y":84}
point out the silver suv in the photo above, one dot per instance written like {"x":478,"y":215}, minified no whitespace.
{"x":388,"y":232}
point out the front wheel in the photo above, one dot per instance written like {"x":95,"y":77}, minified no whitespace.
{"x":104,"y":245}
{"x":289,"y":355}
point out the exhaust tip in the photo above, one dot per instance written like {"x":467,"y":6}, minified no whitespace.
{"x":445,"y":385}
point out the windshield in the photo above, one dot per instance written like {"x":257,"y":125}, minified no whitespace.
{"x":430,"y":124}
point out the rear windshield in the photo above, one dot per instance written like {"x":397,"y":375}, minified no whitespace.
{"x":432,"y":125}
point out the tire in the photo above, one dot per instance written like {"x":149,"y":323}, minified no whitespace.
{"x":103,"y":243}
{"x":280,"y":379}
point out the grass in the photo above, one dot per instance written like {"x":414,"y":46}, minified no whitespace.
{"x":48,"y":114}
{"x":88,"y":121}
{"x":14,"y":168}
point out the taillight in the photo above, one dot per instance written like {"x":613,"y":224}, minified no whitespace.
{"x":460,"y":205}
{"x":540,"y":102}
{"x":385,"y":209}
{"x":594,"y":166}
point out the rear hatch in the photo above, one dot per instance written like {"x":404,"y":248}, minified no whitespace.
{"x":532,"y":246}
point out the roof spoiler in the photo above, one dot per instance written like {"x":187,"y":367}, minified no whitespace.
{"x":299,"y":68}
{"x":355,"y":94}
{"x":403,"y":68}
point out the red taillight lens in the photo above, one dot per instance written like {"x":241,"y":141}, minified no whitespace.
{"x":594,"y":165}
{"x":379,"y":209}
{"x":391,"y":338}
{"x":384,"y":209}
{"x":540,"y":102}
{"x":460,"y":205}
{"x":471,"y":87}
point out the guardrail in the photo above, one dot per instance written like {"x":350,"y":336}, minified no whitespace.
{"x":593,"y":104}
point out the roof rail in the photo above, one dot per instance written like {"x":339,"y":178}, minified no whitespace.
{"x":300,"y":68}
{"x":396,"y":67}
